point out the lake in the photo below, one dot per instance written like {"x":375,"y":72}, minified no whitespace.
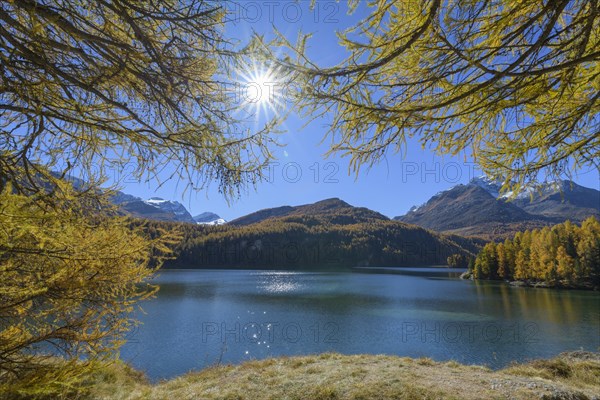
{"x":205,"y":317}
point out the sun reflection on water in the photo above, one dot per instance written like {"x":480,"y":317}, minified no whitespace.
{"x":280,"y":282}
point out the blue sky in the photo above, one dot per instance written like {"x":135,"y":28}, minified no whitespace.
{"x":301,"y":174}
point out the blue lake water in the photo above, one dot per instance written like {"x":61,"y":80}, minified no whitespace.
{"x":204,"y":317}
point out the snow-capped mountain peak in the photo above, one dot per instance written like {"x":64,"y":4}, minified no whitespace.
{"x":174,"y":207}
{"x":492,"y":186}
{"x":474,"y":209}
{"x":541,"y":189}
{"x":209,"y":218}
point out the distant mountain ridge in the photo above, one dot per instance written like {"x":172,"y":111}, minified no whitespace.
{"x":567,"y":201}
{"x":327,"y":234}
{"x":475,"y":209}
{"x":333,"y":207}
{"x":479,"y":209}
{"x":159,"y":209}
{"x":155,"y":208}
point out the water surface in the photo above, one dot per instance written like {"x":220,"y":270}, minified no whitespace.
{"x":204,"y":317}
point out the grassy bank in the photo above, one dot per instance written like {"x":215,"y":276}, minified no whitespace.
{"x":334,"y":376}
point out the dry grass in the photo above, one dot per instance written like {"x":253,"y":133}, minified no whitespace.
{"x":338,"y":377}
{"x":579,"y":373}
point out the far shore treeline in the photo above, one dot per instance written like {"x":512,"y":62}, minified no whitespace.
{"x":341,"y":239}
{"x":565,"y":255}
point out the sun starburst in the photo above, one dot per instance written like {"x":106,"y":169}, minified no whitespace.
{"x":261,"y":91}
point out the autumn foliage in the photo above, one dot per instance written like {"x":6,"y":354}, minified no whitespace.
{"x":565,"y":254}
{"x":70,"y":274}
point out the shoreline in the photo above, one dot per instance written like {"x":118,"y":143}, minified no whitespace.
{"x":467,"y":275}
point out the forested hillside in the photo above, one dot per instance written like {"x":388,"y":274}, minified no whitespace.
{"x":333,"y":239}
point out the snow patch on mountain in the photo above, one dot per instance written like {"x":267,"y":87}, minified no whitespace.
{"x":488,"y":184}
{"x":209,"y":218}
{"x":175,"y":207}
{"x":493,"y":187}
{"x":218,"y":221}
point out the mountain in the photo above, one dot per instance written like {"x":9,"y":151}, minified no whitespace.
{"x":159,"y":209}
{"x":478,"y":209}
{"x":209,"y":218}
{"x":327,"y":234}
{"x":561,"y":201}
{"x":121,"y":198}
{"x":463,"y":205}
{"x":339,"y":212}
{"x":179,"y":212}
{"x":154,"y":208}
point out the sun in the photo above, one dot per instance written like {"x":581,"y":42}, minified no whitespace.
{"x":261,"y":90}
